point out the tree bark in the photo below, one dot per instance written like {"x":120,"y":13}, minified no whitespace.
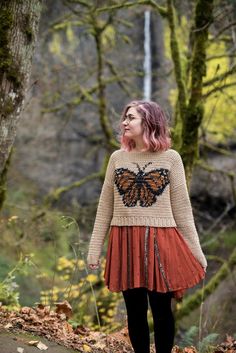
{"x":194,"y":113}
{"x":19,"y":21}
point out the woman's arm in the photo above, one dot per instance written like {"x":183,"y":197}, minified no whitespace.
{"x":182,"y":210}
{"x":103,"y":216}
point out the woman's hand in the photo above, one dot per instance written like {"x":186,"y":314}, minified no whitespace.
{"x":94,"y":266}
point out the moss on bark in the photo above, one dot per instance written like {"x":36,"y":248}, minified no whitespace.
{"x":3,"y":181}
{"x":195,"y":107}
{"x":7,"y":65}
{"x":28,"y":30}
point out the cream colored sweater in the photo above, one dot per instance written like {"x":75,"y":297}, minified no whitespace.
{"x":145,"y":188}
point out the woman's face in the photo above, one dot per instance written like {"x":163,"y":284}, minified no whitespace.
{"x":132,"y":124}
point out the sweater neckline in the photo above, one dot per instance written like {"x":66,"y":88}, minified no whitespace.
{"x":142,"y":153}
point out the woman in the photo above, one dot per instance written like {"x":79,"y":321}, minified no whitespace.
{"x":153,"y":251}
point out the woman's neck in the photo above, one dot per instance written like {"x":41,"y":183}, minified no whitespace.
{"x":139,"y":147}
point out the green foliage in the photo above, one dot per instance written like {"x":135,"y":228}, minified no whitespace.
{"x":191,"y":338}
{"x":93,"y":305}
{"x":207,"y":344}
{"x":63,"y":40}
{"x":219,"y":120}
{"x":218,"y":243}
{"x":9,"y":292}
{"x":28,"y":228}
{"x":229,"y":239}
{"x":55,"y":45}
{"x":109,"y":37}
{"x":58,"y":269}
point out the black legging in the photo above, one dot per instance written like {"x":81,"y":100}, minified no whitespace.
{"x":136,"y":301}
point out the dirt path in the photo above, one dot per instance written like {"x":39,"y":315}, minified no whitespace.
{"x":9,"y":342}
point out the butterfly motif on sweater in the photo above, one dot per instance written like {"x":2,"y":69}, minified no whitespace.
{"x":141,"y":186}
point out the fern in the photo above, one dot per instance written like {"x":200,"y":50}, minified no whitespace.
{"x":189,"y":337}
{"x":205,"y":346}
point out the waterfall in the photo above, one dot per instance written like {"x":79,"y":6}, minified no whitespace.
{"x":147,"y":64}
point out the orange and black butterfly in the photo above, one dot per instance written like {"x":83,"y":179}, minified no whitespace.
{"x":141,"y":186}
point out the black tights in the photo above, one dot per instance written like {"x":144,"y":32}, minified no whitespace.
{"x":136,"y":301}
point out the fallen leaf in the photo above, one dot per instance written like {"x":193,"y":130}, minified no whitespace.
{"x":190,"y":350}
{"x":229,"y":339}
{"x":33,"y":343}
{"x":7,"y":326}
{"x":42,"y":346}
{"x":81,"y":330}
{"x":176,"y":349}
{"x":40,"y":306}
{"x":25,"y":310}
{"x":100,"y":345}
{"x":20,"y":350}
{"x":64,"y":308}
{"x":86,"y":348}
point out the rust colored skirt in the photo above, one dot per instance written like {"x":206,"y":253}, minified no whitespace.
{"x":155,"y":258}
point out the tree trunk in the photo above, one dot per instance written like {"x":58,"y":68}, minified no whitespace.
{"x":19,"y":21}
{"x":193,"y":116}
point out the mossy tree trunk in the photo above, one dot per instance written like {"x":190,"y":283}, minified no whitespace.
{"x":190,"y":107}
{"x":19,"y":21}
{"x":195,"y":108}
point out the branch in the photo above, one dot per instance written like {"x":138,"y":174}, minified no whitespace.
{"x":80,"y":2}
{"x":219,"y":219}
{"x":74,"y":102}
{"x":213,"y":57}
{"x":218,"y":149}
{"x":102,"y":103}
{"x":85,"y":94}
{"x":72,"y":9}
{"x":216,"y":258}
{"x":218,"y":88}
{"x":194,"y":301}
{"x":230,"y":174}
{"x":162,"y":10}
{"x":119,"y":79}
{"x":56,"y":194}
{"x":211,"y":169}
{"x":176,"y":59}
{"x":231,"y":24}
{"x":220,"y":77}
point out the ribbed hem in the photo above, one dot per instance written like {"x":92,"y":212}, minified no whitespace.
{"x":93,"y":259}
{"x":143,"y":221}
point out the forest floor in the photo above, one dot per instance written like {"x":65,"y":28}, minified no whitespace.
{"x":31,"y":330}
{"x":19,"y":343}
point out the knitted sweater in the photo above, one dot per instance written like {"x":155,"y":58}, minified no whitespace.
{"x":145,"y":189}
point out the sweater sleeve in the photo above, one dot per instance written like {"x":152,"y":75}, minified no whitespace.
{"x":182,"y":210}
{"x":103,"y":215}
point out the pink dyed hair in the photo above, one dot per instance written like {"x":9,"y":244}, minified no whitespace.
{"x":156,"y":134}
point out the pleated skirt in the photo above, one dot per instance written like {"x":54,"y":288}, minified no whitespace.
{"x":152,"y":257}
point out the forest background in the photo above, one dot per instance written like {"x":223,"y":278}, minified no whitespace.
{"x":89,"y":59}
